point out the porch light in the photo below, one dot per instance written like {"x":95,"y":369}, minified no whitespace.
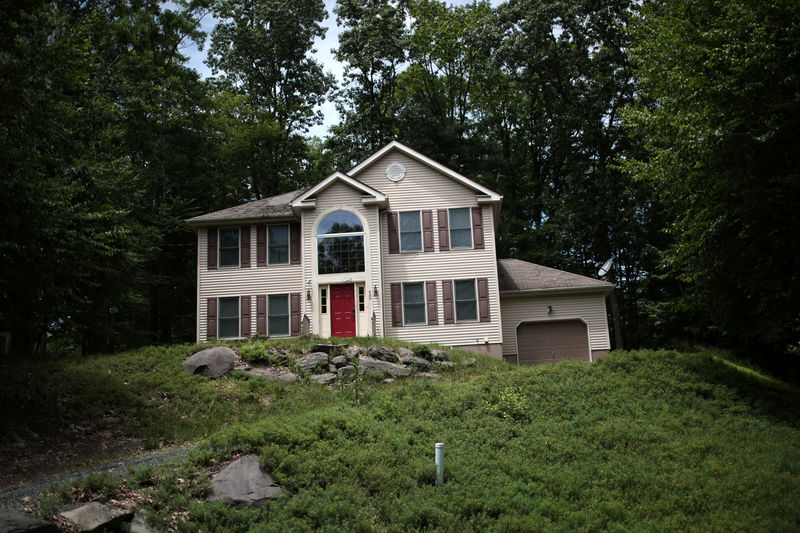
{"x":549,"y":309}
{"x":374,"y":290}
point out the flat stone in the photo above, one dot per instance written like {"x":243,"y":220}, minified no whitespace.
{"x":244,"y":483}
{"x":339,"y":360}
{"x":382,"y":353}
{"x":440,"y":355}
{"x":369,"y":366}
{"x":140,"y":525}
{"x":211,"y":362}
{"x":312,"y":361}
{"x":278,"y":375}
{"x":347,"y":371}
{"x":429,"y":375}
{"x":417,"y":362}
{"x":96,"y":517}
{"x":469,"y":361}
{"x":323,"y":379}
{"x":402,"y":351}
{"x":446,"y":364}
{"x":326,"y":348}
{"x":14,"y":521}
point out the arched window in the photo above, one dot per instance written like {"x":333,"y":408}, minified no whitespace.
{"x":340,"y":243}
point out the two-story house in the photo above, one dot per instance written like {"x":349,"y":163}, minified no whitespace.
{"x":398,"y":247}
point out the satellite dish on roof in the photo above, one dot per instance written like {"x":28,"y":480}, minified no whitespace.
{"x":606,"y":267}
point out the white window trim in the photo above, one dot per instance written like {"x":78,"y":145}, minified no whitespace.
{"x":288,"y":316}
{"x":450,"y":229}
{"x":400,"y":231}
{"x":238,"y":316}
{"x":238,"y":247}
{"x":288,"y":245}
{"x":455,"y":302}
{"x":424,"y":303}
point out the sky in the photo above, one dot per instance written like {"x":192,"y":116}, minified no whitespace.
{"x":323,"y":54}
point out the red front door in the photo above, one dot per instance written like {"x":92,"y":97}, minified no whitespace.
{"x":343,"y":310}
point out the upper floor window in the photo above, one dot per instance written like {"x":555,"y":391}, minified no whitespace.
{"x":410,"y":232}
{"x":460,"y":228}
{"x":228,"y":247}
{"x":340,"y":243}
{"x":278,"y":244}
{"x":466,"y":300}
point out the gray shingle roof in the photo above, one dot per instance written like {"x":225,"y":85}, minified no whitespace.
{"x":516,"y":275}
{"x":272,"y":207}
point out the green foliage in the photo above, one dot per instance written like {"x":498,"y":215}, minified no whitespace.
{"x":423,"y":351}
{"x":511,"y":403}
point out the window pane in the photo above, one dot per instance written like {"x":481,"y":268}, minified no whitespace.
{"x":414,"y":313}
{"x":466,"y":304}
{"x":279,"y":314}
{"x":460,"y":228}
{"x":412,"y":293}
{"x":228,"y":327}
{"x":278,"y":245}
{"x":340,"y":222}
{"x":466,"y":311}
{"x":460,"y":238}
{"x":340,"y":254}
{"x":229,"y":237}
{"x":279,"y":305}
{"x":229,"y":308}
{"x":279,"y":325}
{"x":459,"y":218}
{"x":409,"y":221}
{"x":413,"y":303}
{"x":228,"y":257}
{"x":411,"y":242}
{"x":465,"y":289}
{"x":278,"y":235}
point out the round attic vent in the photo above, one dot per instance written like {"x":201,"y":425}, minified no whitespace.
{"x":395,"y":171}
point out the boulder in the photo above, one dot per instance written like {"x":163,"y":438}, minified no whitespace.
{"x":382,"y":353}
{"x":353,"y":352}
{"x":211,"y":362}
{"x":14,"y":521}
{"x":243,"y":483}
{"x":402,"y":351}
{"x":429,"y":375}
{"x":322,"y":379}
{"x":339,"y":361}
{"x":140,"y":525}
{"x":348,"y":371}
{"x":96,"y":517}
{"x":440,"y":355}
{"x":446,"y":364}
{"x":417,"y":362}
{"x":278,"y":375}
{"x":368,"y":365}
{"x":469,"y":361}
{"x":312,"y":361}
{"x":325,"y":348}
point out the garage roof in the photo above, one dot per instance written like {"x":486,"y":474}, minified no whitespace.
{"x":517,"y":275}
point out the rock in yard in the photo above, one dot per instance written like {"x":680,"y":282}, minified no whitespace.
{"x":418,"y":362}
{"x":14,"y":521}
{"x":440,"y":355}
{"x":140,"y":525}
{"x":446,"y":364}
{"x":326,"y":348}
{"x":355,"y":351}
{"x":280,"y":355}
{"x":469,"y":361}
{"x":382,"y":353}
{"x":323,"y":379}
{"x":278,"y":375}
{"x":339,"y":360}
{"x":347,"y":371}
{"x":402,"y":351}
{"x":370,"y":365}
{"x":429,"y":375}
{"x":312,"y":361}
{"x":244,"y":483}
{"x":96,"y":517}
{"x":211,"y":362}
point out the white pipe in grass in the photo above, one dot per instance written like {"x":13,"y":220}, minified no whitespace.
{"x":439,"y":463}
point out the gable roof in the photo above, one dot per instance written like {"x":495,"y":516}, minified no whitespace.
{"x":371,"y":196}
{"x":487,"y":194}
{"x":524,"y":277}
{"x":273,"y":207}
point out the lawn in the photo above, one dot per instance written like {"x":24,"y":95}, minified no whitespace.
{"x":636,"y":441}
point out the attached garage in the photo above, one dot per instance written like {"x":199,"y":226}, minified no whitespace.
{"x":550,"y":315}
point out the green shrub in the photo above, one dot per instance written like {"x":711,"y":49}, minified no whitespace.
{"x":423,"y":351}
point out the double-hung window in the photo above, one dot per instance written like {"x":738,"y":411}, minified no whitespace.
{"x":278,"y":244}
{"x":228,"y":247}
{"x":460,"y":228}
{"x":228,"y":318}
{"x":278,"y":314}
{"x":410,"y":232}
{"x":466,"y":300}
{"x":414,"y":303}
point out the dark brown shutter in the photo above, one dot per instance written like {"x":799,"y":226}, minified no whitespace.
{"x":294,"y":244}
{"x":245,"y":316}
{"x":397,"y":304}
{"x":212,"y":248}
{"x":211,"y":315}
{"x":261,"y":245}
{"x":244,"y":246}
{"x":427,"y":230}
{"x":483,"y":299}
{"x":447,"y":298}
{"x":294,"y":309}
{"x":477,"y":228}
{"x":444,"y":234}
{"x":433,"y":308}
{"x":261,"y":314}
{"x":394,"y":237}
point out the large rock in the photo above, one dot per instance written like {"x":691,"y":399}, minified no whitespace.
{"x":244,"y":483}
{"x":140,"y":525}
{"x":326,"y":348}
{"x":440,"y":355}
{"x":383,"y":353}
{"x":312,"y":361}
{"x":417,"y":362}
{"x":339,"y":360}
{"x":347,"y":371}
{"x":368,"y":365}
{"x":402,"y":351}
{"x":96,"y":517}
{"x":211,"y":362}
{"x":278,"y":375}
{"x":469,"y":361}
{"x":323,"y":379}
{"x":14,"y":521}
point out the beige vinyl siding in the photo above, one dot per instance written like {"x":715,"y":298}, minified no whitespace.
{"x":425,"y":188}
{"x":234,"y":281}
{"x":342,"y":196}
{"x":591,"y":308}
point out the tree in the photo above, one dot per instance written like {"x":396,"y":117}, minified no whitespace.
{"x":720,"y":118}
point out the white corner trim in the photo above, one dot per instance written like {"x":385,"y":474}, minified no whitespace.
{"x":305,"y":200}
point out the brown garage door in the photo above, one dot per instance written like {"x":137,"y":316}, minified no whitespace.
{"x":550,"y":342}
